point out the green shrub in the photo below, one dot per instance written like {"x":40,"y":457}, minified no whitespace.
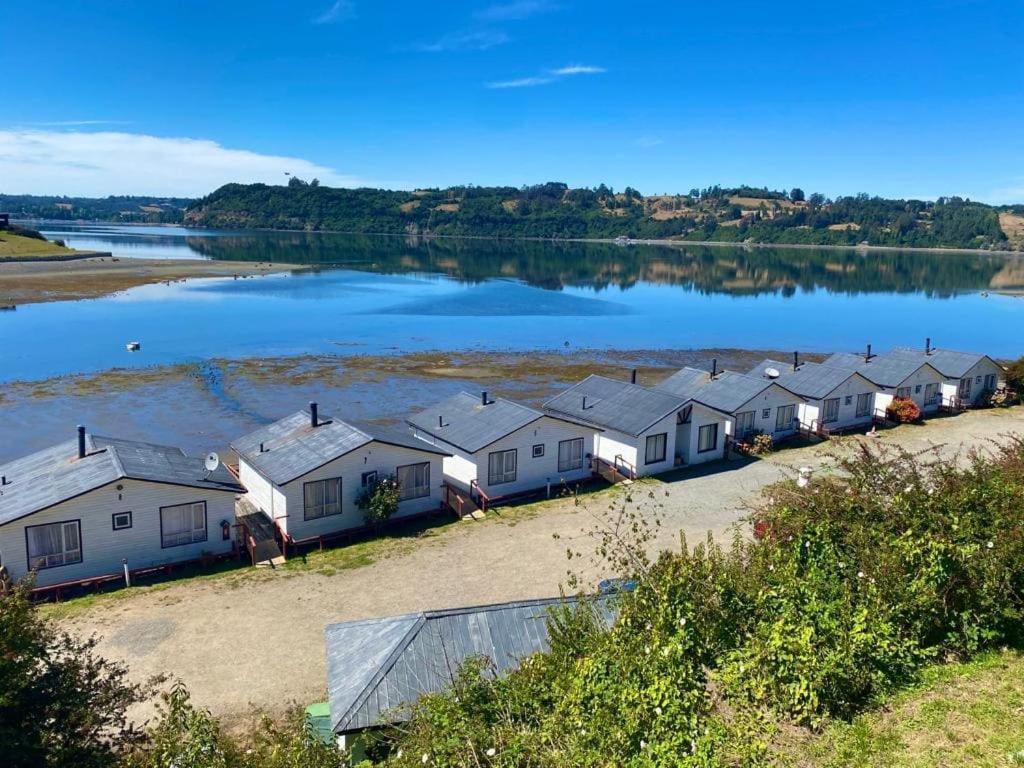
{"x":1015,"y":376}
{"x":379,"y":501}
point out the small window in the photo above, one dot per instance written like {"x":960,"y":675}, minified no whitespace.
{"x":570,"y":454}
{"x":707,"y":438}
{"x":54,"y":544}
{"x":917,"y":390}
{"x":501,"y":467}
{"x":766,"y":413}
{"x":538,"y":450}
{"x":656,"y":447}
{"x":849,"y":400}
{"x":413,"y":481}
{"x":122,"y":520}
{"x":903,"y":392}
{"x":182,"y":524}
{"x":979,"y":380}
{"x":990,"y":381}
{"x":369,"y":478}
{"x":321,"y":498}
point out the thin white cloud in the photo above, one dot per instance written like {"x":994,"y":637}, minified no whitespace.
{"x":75,"y":123}
{"x":649,"y":141}
{"x":522,"y":82}
{"x":108,"y":162}
{"x":341,"y":10}
{"x":476,"y":40}
{"x":514,"y":11}
{"x":578,"y":69}
{"x":550,"y":76}
{"x":1007,"y":195}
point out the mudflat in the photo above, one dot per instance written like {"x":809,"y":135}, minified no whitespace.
{"x":30,"y":282}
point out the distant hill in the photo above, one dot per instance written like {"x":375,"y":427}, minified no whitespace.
{"x":126,"y":209}
{"x":554,"y":210}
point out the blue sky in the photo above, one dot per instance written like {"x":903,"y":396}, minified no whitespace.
{"x":914,"y":99}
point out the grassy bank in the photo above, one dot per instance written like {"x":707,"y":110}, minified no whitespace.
{"x":15,"y":246}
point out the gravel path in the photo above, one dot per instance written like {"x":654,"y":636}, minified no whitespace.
{"x":240,"y":642}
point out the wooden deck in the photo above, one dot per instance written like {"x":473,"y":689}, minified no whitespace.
{"x":258,"y":534}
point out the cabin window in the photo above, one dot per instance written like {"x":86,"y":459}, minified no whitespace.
{"x":655,"y":448}
{"x":182,"y":524}
{"x":990,"y":381}
{"x":864,"y":404}
{"x":368,"y":479}
{"x":849,"y":400}
{"x":54,"y":544}
{"x":413,"y":481}
{"x":121,"y":520}
{"x":917,"y":390}
{"x":321,"y":498}
{"x":831,"y":411}
{"x":766,"y":413}
{"x":931,"y":394}
{"x":538,"y":450}
{"x":784,"y":417}
{"x":570,"y":454}
{"x":744,"y":423}
{"x":903,"y":392}
{"x":979,"y":380}
{"x":501,"y":467}
{"x":965,"y":387}
{"x":707,"y":438}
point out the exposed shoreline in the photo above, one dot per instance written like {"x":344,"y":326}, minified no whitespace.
{"x":26,"y":281}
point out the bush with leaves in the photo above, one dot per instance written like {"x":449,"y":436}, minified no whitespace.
{"x":379,"y":501}
{"x":1015,"y":376}
{"x":60,"y":703}
{"x":903,"y":410}
{"x":762,"y":444}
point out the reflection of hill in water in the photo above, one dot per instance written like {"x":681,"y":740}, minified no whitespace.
{"x":600,"y":265}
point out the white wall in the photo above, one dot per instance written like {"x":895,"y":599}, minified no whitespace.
{"x":770,"y":400}
{"x":688,"y":436}
{"x":977,"y":376}
{"x":917,"y":382}
{"x":102,"y":547}
{"x":534,"y":474}
{"x":350,"y":467}
{"x":812,"y":411}
{"x":611,"y":444}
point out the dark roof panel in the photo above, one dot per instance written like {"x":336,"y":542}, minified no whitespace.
{"x":812,"y":380}
{"x":377,"y":669}
{"x":727,"y":392}
{"x":465,"y":422}
{"x":948,"y":362}
{"x":885,"y":370}
{"x":613,"y":404}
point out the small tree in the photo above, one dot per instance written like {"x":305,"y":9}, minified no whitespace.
{"x":60,"y":703}
{"x":379,"y":501}
{"x":1015,"y":376}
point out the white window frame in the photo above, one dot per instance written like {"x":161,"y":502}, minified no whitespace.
{"x":66,"y":556}
{"x":783,"y":424}
{"x":904,"y":392}
{"x":115,"y":516}
{"x":963,"y":390}
{"x":991,"y":380}
{"x":830,"y":418}
{"x":866,"y":398}
{"x":574,"y":448}
{"x":659,"y":456}
{"x":745,"y":416}
{"x":196,"y":532}
{"x":537,"y":451}
{"x":503,"y":474}
{"x":323,"y":508}
{"x":703,"y":430}
{"x":932,"y":393}
{"x":419,"y":490}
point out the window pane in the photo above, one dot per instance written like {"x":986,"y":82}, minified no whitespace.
{"x":707,"y":438}
{"x":570,"y":454}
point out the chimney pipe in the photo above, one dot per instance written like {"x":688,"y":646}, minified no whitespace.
{"x":81,"y":441}
{"x":714,"y":368}
{"x":796,"y":360}
{"x":868,"y":355}
{"x":584,"y":402}
{"x":632,"y":376}
{"x":440,"y":421}
{"x":262,"y":449}
{"x":314,"y":420}
{"x":928,"y":345}
{"x":483,"y":398}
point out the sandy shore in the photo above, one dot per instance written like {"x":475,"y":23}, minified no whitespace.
{"x":30,"y":282}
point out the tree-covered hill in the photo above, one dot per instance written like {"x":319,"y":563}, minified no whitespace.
{"x":116,"y":208}
{"x":554,"y":210}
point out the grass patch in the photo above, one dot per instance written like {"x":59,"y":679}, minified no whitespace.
{"x":958,"y":714}
{"x":17,"y":246}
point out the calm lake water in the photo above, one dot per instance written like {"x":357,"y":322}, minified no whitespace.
{"x":382,"y":294}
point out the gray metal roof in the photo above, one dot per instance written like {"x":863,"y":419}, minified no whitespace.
{"x":465,"y":422}
{"x":377,"y":669}
{"x":727,"y":392}
{"x":811,"y":380}
{"x":886,"y":370}
{"x":292,"y":447}
{"x":948,"y":362}
{"x":613,"y":404}
{"x":56,"y":474}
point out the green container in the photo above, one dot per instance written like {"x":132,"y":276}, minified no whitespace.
{"x":319,"y":718}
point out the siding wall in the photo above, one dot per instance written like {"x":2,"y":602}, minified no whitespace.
{"x":918,"y":382}
{"x":610,"y":444}
{"x":979,"y":371}
{"x":102,"y":547}
{"x":771,"y":399}
{"x":812,"y":411}
{"x":289,"y":498}
{"x":688,"y":436}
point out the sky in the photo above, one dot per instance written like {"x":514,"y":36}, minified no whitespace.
{"x":890,"y":97}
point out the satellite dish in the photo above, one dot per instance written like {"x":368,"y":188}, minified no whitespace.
{"x":212,"y":461}
{"x":772,"y":373}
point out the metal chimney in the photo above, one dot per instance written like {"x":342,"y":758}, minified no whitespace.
{"x":483,"y":398}
{"x":928,"y":345}
{"x":314,"y":420}
{"x":81,"y":441}
{"x":796,"y":360}
{"x":584,"y":402}
{"x":868,"y":355}
{"x":714,"y":368}
{"x":632,"y":376}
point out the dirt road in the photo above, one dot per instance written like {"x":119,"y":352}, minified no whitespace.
{"x":260,"y":640}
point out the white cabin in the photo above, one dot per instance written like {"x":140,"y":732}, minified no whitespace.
{"x":835,"y":399}
{"x":307,"y":471}
{"x":86,"y":509}
{"x":970,"y":378}
{"x":754,"y":405}
{"x":895,"y":376}
{"x":644,"y":431}
{"x":505,"y":448}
